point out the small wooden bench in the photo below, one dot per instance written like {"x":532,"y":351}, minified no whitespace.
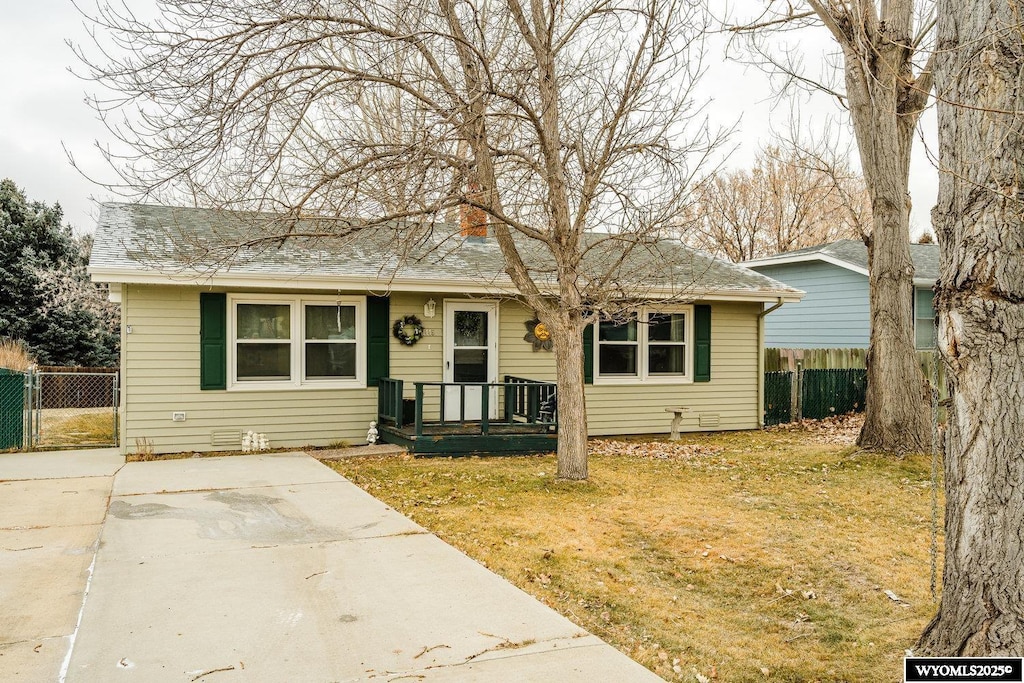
{"x":677,"y":421}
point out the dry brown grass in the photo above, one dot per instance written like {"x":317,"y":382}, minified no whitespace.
{"x":77,"y":427}
{"x":14,"y":356}
{"x":759,"y":556}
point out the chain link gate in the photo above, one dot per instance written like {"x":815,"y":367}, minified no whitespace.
{"x":71,"y":409}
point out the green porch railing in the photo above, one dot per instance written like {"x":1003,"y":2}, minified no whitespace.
{"x":389,"y":401}
{"x":522,"y":401}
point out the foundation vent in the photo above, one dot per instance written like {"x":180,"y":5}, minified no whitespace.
{"x":226,"y":437}
{"x":709,"y":419}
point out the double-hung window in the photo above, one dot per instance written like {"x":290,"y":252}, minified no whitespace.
{"x":651,"y":346}
{"x":924,"y":319}
{"x":619,"y":348}
{"x":667,"y":345}
{"x":296,"y":342}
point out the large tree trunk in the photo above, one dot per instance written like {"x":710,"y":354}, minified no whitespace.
{"x":896,"y":410}
{"x":896,"y":415}
{"x":980,"y":300}
{"x":567,"y":335}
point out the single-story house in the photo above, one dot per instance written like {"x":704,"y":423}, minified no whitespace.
{"x":835,"y":312}
{"x":310,"y":340}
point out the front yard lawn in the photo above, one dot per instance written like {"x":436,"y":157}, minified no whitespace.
{"x":753,"y":556}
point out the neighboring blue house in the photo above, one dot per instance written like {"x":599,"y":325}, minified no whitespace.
{"x":834,"y":314}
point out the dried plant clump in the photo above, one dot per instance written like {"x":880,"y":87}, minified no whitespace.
{"x":14,"y":355}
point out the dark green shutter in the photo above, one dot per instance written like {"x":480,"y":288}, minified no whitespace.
{"x":588,"y":354}
{"x":213,"y":341}
{"x":378,"y":337}
{"x":702,"y":343}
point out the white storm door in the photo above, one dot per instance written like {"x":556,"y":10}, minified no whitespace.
{"x":470,"y":356}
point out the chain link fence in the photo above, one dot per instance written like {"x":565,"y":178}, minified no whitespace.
{"x":74,"y":407}
{"x":813,"y":394}
{"x":48,"y":408}
{"x":12,"y":410}
{"x":778,"y":398}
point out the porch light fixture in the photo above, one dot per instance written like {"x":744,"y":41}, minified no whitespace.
{"x":429,"y":308}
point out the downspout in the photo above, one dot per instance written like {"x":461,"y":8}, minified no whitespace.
{"x":760,"y":361}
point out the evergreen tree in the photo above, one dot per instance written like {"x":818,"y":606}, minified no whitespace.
{"x":46,"y":298}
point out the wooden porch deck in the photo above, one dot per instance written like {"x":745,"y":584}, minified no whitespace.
{"x":527,"y":422}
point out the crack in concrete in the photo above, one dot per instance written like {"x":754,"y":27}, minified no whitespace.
{"x":213,"y":489}
{"x":513,"y":651}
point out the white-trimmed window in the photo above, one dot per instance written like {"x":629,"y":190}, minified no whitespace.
{"x":282,"y":342}
{"x":654,"y":345}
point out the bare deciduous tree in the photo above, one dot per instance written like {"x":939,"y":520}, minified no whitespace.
{"x":979,"y":219}
{"x":789,"y":200}
{"x":550,"y":119}
{"x":886,"y":62}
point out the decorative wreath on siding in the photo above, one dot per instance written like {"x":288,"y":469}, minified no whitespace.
{"x":408,"y":330}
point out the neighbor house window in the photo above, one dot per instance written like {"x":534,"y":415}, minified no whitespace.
{"x":291,"y":342}
{"x":654,"y":345}
{"x":924,"y":319}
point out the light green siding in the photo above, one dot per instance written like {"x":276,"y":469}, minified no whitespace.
{"x":160,"y":361}
{"x":160,"y":365}
{"x":728,"y":401}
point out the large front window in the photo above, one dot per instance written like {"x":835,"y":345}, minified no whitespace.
{"x":650,"y":346}
{"x":293,"y":342}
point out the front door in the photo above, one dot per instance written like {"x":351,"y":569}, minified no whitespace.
{"x":471,"y":356}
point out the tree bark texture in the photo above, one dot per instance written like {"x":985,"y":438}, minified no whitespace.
{"x":567,"y":334}
{"x":885,"y":109}
{"x":980,"y":303}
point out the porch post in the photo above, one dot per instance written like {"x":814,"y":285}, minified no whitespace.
{"x":485,"y":408}
{"x":419,"y":409}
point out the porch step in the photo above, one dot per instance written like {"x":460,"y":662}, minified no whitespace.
{"x":376,"y":451}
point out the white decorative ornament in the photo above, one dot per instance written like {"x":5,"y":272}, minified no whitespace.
{"x":371,"y":434}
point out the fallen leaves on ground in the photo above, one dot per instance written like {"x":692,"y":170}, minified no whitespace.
{"x":654,"y":450}
{"x":840,"y":430}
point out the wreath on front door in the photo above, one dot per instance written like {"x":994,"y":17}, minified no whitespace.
{"x":408,"y":330}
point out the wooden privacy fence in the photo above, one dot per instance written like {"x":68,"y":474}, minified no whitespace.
{"x":816,"y":383}
{"x":782,"y":360}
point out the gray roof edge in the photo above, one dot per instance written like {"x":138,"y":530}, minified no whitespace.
{"x":123,"y":228}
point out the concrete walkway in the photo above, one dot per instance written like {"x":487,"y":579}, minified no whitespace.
{"x":257,"y":568}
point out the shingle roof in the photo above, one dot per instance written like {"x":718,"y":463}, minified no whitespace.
{"x":135,"y":242}
{"x":854,"y":252}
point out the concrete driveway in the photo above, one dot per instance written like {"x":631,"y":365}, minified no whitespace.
{"x":254,"y":568}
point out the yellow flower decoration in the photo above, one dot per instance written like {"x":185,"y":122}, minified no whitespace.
{"x":538,"y":334}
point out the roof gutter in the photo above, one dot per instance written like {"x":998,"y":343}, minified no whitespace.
{"x":760,"y":360}
{"x":231,"y":280}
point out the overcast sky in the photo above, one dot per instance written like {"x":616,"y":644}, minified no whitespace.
{"x":43,"y":111}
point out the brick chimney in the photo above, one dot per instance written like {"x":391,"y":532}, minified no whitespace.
{"x":472,"y":220}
